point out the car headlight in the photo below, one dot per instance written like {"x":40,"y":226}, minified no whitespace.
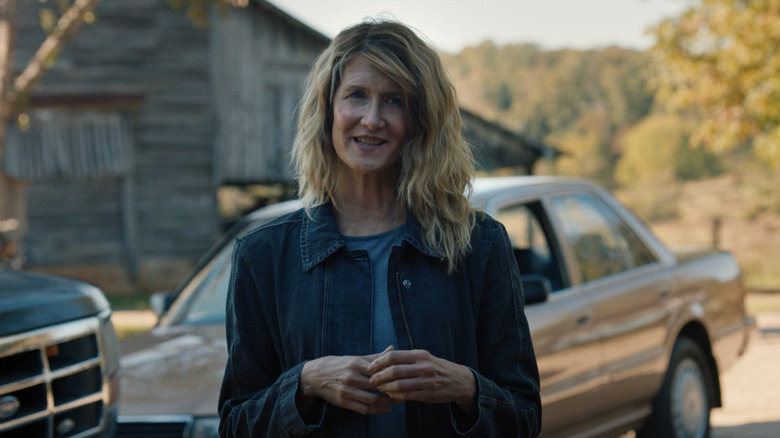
{"x":205,"y":427}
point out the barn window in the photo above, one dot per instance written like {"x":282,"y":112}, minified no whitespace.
{"x":69,"y":145}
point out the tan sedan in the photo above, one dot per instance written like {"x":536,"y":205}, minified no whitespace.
{"x":627,"y":335}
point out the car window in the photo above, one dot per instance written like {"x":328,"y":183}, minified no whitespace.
{"x":530,"y":243}
{"x":603,"y":244}
{"x":207,"y":292}
{"x":640,"y":253}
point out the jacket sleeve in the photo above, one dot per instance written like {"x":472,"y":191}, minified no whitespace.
{"x":257,"y":398}
{"x":508,"y":399}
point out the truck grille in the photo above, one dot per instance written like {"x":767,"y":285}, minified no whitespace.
{"x":52,"y":382}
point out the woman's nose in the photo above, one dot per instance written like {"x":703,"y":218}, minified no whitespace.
{"x":372,"y":118}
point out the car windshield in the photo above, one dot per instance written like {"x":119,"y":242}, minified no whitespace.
{"x":208,"y":305}
{"x":203,"y":299}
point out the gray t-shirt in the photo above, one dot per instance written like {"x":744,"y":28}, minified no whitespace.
{"x":378,"y":247}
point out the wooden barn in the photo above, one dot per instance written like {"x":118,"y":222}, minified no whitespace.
{"x":144,"y":117}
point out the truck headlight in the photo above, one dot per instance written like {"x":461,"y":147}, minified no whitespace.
{"x":110,"y":348}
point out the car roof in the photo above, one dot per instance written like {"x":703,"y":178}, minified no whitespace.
{"x":490,"y":188}
{"x":485,"y":185}
{"x":484,"y":188}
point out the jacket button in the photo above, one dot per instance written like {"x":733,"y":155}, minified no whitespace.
{"x":407,"y":283}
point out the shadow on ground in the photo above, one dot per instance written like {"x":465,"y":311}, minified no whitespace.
{"x":751,"y":430}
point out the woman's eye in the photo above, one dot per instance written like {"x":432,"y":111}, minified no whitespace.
{"x":355,"y":95}
{"x":395,"y":101}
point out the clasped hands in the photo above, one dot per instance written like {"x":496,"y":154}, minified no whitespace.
{"x":372,"y":384}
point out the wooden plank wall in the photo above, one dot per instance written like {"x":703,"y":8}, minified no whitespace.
{"x":260,"y":65}
{"x":59,"y":227}
{"x":218,"y":107}
{"x":138,"y":46}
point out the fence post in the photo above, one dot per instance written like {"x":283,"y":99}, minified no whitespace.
{"x":716,"y":225}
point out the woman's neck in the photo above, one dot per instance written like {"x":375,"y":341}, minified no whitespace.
{"x":367,"y":206}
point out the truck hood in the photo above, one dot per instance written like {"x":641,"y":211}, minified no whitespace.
{"x":29,"y":301}
{"x":175,"y":370}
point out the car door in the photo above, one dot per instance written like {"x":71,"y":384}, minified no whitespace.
{"x":626,"y":285}
{"x":565,"y":341}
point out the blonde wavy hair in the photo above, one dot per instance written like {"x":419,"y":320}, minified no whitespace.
{"x":436,"y":163}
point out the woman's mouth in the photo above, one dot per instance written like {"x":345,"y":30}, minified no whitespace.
{"x":369,"y":141}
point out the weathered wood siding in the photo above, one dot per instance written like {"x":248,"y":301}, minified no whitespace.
{"x":59,"y":226}
{"x":260,"y":63}
{"x":206,"y":108}
{"x":168,"y":197}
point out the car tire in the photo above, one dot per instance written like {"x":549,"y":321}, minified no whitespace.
{"x":682,"y":408}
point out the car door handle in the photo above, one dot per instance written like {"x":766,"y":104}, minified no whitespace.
{"x":583,"y":319}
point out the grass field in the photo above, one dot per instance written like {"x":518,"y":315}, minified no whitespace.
{"x":762,"y":303}
{"x":737,"y":214}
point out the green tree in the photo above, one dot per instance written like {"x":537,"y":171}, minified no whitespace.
{"x":721,"y":60}
{"x":584,"y":148}
{"x":658,"y":148}
{"x":575,"y":100}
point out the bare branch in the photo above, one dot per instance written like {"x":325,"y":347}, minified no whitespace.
{"x":66,"y":26}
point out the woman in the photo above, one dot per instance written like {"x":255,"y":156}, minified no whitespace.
{"x":387,"y":307}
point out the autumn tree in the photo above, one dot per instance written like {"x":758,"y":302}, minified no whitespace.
{"x":59,"y":28}
{"x":199,"y":11}
{"x":61,"y":22}
{"x":721,"y":61}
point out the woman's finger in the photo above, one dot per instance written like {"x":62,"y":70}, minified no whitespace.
{"x":391,"y":357}
{"x":343,"y":381}
{"x":361,"y":401}
{"x":372,"y":357}
{"x":420,"y":376}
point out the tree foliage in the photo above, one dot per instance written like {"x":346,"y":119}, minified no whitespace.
{"x":198,"y":10}
{"x":657,"y":148}
{"x":574,"y":100}
{"x":60,"y":20}
{"x":544,"y":92}
{"x":585,"y":148}
{"x":721,"y":59}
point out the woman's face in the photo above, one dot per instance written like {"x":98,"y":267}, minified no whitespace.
{"x":369,"y":121}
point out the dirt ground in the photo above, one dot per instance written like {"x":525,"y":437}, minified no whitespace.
{"x":751,"y":388}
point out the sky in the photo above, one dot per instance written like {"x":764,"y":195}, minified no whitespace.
{"x":454,"y":24}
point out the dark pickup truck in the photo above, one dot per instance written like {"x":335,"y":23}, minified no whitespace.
{"x":59,"y":358}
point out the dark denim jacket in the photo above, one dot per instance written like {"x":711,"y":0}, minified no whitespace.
{"x":297,"y":294}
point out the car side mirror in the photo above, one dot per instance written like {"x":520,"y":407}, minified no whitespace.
{"x":160,"y":302}
{"x":536,"y":288}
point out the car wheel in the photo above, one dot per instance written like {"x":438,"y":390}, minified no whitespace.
{"x":682,"y":408}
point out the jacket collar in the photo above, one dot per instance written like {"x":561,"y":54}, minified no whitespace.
{"x":320,"y":237}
